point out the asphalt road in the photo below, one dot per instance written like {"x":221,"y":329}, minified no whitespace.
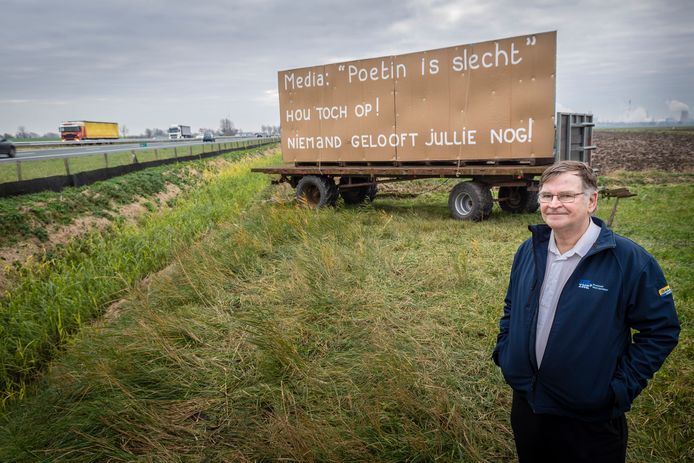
{"x":71,"y":151}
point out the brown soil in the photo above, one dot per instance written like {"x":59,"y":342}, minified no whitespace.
{"x":634,"y":151}
{"x":58,"y":235}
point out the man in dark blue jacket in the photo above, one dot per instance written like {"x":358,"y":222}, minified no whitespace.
{"x":576,"y":292}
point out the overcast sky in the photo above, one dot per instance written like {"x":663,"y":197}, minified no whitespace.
{"x":147,"y":64}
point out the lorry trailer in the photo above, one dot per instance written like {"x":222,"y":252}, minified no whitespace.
{"x":88,"y":130}
{"x":483,"y":113}
{"x":176,"y":132}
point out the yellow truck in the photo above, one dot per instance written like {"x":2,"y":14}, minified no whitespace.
{"x":88,"y":130}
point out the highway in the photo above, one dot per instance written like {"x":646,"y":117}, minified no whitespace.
{"x":71,"y":151}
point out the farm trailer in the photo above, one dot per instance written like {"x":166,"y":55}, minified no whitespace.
{"x":320,"y":185}
{"x":482,"y":112}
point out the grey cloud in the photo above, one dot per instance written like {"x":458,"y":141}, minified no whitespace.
{"x":149,"y":64}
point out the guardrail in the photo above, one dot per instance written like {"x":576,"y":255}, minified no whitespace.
{"x":55,"y":174}
{"x":52,"y":144}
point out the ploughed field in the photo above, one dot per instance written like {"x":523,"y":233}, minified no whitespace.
{"x":647,"y":149}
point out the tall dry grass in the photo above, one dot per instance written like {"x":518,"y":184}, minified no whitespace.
{"x":332,"y":335}
{"x":57,"y":295}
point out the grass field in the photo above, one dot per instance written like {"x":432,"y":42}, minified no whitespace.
{"x":54,"y":295}
{"x":348,"y":334}
{"x":40,"y":168}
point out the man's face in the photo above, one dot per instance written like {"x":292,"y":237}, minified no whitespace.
{"x":567,"y":216}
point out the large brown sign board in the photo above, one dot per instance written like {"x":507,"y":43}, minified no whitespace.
{"x":484,"y":101}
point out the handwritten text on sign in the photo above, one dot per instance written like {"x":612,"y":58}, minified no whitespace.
{"x":487,"y":100}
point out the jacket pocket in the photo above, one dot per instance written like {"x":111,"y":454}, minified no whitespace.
{"x":621,"y":401}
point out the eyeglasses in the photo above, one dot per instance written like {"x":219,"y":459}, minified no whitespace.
{"x":562,"y":197}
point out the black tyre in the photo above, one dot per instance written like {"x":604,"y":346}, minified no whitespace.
{"x":470,"y":201}
{"x":357,"y":195}
{"x":517,"y":200}
{"x":294,"y":180}
{"x":13,"y":151}
{"x":316,"y":191}
{"x":532,"y":204}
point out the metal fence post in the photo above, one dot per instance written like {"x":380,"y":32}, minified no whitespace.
{"x":134,"y":158}
{"x":66,"y":161}
{"x":19,"y":170}
{"x":176,"y":153}
{"x":106,"y":159}
{"x":156,"y":154}
{"x":190,"y":150}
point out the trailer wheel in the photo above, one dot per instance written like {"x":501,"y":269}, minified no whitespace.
{"x":532,"y":204}
{"x":470,"y":201}
{"x":513,"y":199}
{"x":517,"y":200}
{"x":316,"y":191}
{"x":294,"y":180}
{"x":13,"y":152}
{"x":357,"y":195}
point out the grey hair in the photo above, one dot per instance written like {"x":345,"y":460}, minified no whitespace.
{"x":581,"y":169}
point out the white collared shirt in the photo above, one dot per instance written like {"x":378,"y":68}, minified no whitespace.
{"x":558,"y":269}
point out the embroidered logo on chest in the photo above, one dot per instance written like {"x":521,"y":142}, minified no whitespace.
{"x":587,"y":284}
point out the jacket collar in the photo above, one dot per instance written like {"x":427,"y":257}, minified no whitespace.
{"x":541,"y":233}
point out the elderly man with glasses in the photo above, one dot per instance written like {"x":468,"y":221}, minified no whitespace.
{"x":565,"y":345}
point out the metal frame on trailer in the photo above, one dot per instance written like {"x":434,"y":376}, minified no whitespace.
{"x":574,"y":137}
{"x":470,"y":199}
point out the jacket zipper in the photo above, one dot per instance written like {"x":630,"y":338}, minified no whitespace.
{"x":540,"y":271}
{"x":533,"y":359}
{"x":582,"y":263}
{"x":594,"y":250}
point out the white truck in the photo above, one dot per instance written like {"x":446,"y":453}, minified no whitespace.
{"x":177,"y":132}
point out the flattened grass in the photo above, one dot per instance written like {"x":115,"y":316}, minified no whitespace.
{"x":355,"y":334}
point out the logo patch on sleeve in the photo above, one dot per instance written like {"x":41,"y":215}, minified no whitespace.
{"x":664,"y":291}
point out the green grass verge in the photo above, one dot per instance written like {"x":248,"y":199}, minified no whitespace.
{"x":30,"y":215}
{"x":55,"y":296}
{"x":348,"y":334}
{"x":40,"y":168}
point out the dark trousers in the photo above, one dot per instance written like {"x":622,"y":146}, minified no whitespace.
{"x":559,"y":439}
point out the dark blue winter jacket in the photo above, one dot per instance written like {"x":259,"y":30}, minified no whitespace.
{"x":592,"y":368}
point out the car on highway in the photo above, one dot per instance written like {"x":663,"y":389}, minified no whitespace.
{"x":7,"y":147}
{"x":208,"y":136}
